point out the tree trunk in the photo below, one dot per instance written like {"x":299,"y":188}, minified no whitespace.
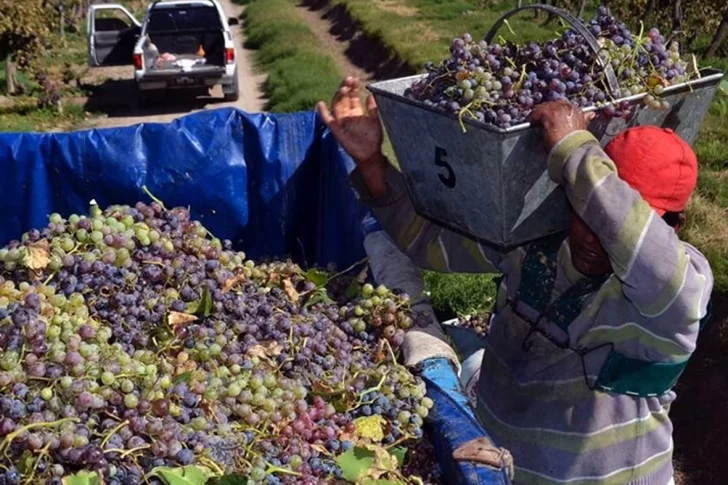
{"x":582,"y":6}
{"x":719,"y":36}
{"x":649,"y":9}
{"x":520,"y":3}
{"x":676,"y":18}
{"x":11,"y":84}
{"x":62,"y":27}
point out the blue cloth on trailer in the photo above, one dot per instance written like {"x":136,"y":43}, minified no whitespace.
{"x":454,"y":424}
{"x":275,"y":184}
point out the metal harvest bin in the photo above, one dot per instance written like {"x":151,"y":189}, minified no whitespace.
{"x":492,"y":183}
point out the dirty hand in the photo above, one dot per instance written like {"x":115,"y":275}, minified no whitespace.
{"x":559,"y":119}
{"x":359,"y":133}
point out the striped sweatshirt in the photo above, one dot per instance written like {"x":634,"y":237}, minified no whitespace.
{"x":534,"y":399}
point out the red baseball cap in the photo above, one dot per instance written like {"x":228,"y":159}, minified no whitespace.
{"x":658,"y":164}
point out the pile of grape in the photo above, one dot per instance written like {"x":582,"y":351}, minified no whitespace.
{"x":499,"y":84}
{"x":131,"y":339}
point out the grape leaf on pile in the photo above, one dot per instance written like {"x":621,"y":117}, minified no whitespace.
{"x":83,"y":478}
{"x":318,"y":278}
{"x":189,"y":475}
{"x":370,"y":427}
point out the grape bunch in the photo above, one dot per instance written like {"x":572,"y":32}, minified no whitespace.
{"x":479,"y":323}
{"x":132,"y":339}
{"x":500,"y":83}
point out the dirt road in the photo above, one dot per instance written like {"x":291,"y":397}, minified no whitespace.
{"x":114,"y":92}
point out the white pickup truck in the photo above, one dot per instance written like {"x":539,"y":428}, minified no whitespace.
{"x":182,"y":44}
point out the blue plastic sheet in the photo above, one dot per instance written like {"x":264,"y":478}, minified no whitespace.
{"x":276,"y":185}
{"x":454,"y":424}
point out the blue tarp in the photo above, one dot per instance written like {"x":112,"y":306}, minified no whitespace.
{"x":274,"y":184}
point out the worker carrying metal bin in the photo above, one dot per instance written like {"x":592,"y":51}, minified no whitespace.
{"x":593,"y":326}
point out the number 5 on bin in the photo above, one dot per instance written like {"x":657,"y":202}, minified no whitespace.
{"x":441,"y":161}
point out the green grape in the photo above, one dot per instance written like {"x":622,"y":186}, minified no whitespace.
{"x":269,"y":381}
{"x":82,"y":235}
{"x":131,"y":401}
{"x":199,"y":423}
{"x":107,"y":378}
{"x":127,"y":386}
{"x":427,"y":402}
{"x":257,"y":474}
{"x":234,"y":390}
{"x":295,"y":462}
{"x":46,"y":394}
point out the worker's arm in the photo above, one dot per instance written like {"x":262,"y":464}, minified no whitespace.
{"x":429,"y":245}
{"x":667,"y":281}
{"x":382,"y":188}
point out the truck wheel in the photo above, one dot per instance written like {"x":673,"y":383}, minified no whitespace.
{"x":233,"y":91}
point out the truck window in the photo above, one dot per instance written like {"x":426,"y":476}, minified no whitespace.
{"x":183,"y":19}
{"x":109,"y":20}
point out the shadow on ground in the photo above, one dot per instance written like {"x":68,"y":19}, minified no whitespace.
{"x":699,"y":413}
{"x":364,"y":51}
{"x":118,"y":98}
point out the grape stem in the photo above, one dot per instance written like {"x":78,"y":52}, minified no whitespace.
{"x":276,"y":469}
{"x":46,"y":424}
{"x":112,"y":432}
{"x":43,"y":451}
{"x":151,"y":196}
{"x":360,"y":402}
{"x":125,"y":453}
{"x":210,"y":463}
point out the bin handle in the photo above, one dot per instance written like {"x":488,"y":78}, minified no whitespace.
{"x":576,"y":24}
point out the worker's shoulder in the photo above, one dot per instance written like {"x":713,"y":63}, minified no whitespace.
{"x":697,"y":259}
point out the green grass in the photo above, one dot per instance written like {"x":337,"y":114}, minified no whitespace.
{"x":24,"y":116}
{"x":421,"y":30}
{"x":299,"y":73}
{"x":460,"y":294}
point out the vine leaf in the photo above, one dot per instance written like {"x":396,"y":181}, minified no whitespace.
{"x":290,"y":291}
{"x":179,"y":318}
{"x":83,"y":478}
{"x":203,"y":306}
{"x":370,"y":427}
{"x":188,"y":475}
{"x":318,"y":278}
{"x":37,"y":256}
{"x":354,"y":463}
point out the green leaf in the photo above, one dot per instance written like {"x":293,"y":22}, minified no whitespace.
{"x":203,"y":306}
{"x":83,"y":478}
{"x":371,"y":427}
{"x":184,"y":377}
{"x":400,"y":452}
{"x":354,"y":463}
{"x":189,"y":475}
{"x":319,"y":296}
{"x":353,"y":290}
{"x":724,"y":86}
{"x":318,"y":278}
{"x":381,"y":481}
{"x":233,"y":480}
{"x":26,"y":462}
